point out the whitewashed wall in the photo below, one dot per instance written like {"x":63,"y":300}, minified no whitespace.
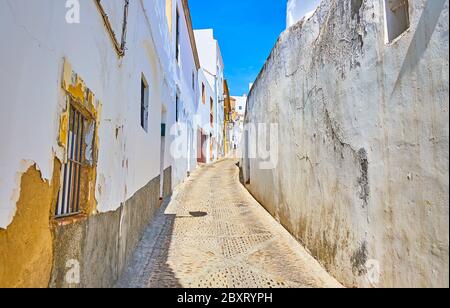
{"x":297,"y":9}
{"x":31,"y":66}
{"x":204,"y":111}
{"x":241,"y":104}
{"x":362,"y":176}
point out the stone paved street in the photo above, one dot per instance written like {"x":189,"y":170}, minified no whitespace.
{"x":214,"y":234}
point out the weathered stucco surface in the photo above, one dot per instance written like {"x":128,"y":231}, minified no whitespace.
{"x":31,"y":67}
{"x":36,"y":69}
{"x":26,"y":246}
{"x":363,"y":129}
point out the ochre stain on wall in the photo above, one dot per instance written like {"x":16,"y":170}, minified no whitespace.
{"x":26,"y":245}
{"x":77,"y":91}
{"x":79,"y":96}
{"x":63,"y":133}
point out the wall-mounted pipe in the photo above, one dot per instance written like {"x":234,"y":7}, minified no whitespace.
{"x":120,"y":47}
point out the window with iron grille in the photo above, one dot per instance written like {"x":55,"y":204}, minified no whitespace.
{"x":69,"y":201}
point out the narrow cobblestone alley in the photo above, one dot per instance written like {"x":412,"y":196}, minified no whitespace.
{"x":214,"y":234}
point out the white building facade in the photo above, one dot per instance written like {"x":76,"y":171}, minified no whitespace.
{"x":299,"y":9}
{"x":183,"y":148}
{"x":204,"y":119}
{"x":240,"y":107}
{"x":90,"y":106}
{"x":211,"y":63}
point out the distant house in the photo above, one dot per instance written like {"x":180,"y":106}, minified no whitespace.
{"x":211,"y":63}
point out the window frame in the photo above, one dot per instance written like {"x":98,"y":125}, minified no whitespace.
{"x":203,"y":93}
{"x":177,"y":36}
{"x":72,"y":182}
{"x":145,"y":103}
{"x":177,"y":108}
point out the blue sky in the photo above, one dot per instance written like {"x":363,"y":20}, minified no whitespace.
{"x":246,"y":30}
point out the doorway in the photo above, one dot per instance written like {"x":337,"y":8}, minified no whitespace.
{"x":201,"y":147}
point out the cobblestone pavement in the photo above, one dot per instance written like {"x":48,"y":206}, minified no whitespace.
{"x":213,"y":234}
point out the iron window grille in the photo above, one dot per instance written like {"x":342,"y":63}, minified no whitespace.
{"x":68,"y":202}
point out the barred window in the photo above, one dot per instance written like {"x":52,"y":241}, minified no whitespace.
{"x":71,"y":174}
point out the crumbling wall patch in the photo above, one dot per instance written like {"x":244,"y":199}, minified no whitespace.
{"x":26,"y":245}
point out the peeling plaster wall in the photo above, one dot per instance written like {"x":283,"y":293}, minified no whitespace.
{"x":364,"y":141}
{"x":26,"y":247}
{"x":33,"y":102}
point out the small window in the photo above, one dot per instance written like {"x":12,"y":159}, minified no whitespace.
{"x":203,"y":94}
{"x":177,"y":40}
{"x":211,"y":101}
{"x":396,"y":18}
{"x":144,"y":104}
